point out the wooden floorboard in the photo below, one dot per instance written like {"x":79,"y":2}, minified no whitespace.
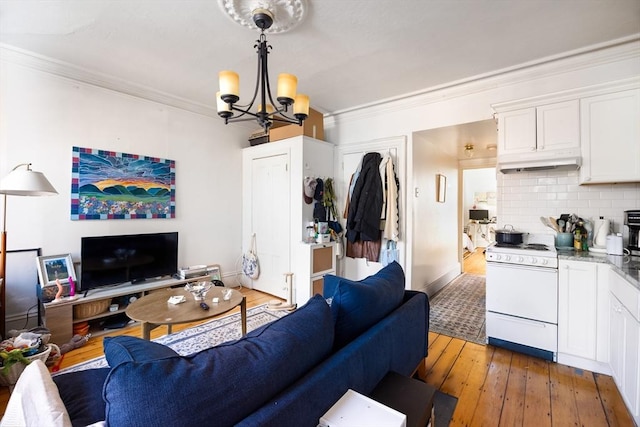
{"x":494,"y":386}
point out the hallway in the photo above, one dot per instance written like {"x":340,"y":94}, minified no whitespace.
{"x":475,"y":263}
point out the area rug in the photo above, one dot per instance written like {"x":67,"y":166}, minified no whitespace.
{"x":458,"y":309}
{"x":199,"y":337}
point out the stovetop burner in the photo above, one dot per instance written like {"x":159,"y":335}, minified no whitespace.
{"x":522,"y":246}
{"x":536,"y":247}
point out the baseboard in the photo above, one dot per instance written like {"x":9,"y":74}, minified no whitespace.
{"x":433,"y":287}
{"x":582,"y":363}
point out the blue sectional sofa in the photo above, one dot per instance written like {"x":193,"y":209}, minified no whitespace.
{"x":286,"y":373}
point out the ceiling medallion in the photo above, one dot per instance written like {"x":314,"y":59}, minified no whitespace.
{"x":287,"y":13}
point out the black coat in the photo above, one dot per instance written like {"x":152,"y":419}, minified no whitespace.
{"x":365,"y":207}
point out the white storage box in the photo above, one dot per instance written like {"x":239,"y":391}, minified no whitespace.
{"x":355,"y":410}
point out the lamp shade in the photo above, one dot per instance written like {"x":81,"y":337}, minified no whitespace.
{"x":21,"y":182}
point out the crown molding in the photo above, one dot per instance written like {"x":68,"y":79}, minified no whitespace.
{"x":24,"y":58}
{"x":616,"y":50}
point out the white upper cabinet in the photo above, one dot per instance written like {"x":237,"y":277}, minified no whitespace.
{"x":544,"y":131}
{"x":611,"y":138}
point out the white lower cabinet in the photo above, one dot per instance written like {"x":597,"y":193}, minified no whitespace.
{"x":625,"y":344}
{"x":583,"y":320}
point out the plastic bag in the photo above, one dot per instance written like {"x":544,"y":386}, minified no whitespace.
{"x":390,"y":253}
{"x":250,"y":266}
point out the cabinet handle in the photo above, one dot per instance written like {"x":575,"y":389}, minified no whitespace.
{"x":533,"y":148}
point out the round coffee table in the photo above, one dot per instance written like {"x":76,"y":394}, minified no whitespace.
{"x":154,"y":310}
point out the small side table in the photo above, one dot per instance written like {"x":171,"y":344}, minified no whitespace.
{"x":411,"y":397}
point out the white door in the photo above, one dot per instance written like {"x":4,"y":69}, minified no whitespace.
{"x":270,"y":217}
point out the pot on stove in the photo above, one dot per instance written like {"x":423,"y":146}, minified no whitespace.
{"x":506,"y":236}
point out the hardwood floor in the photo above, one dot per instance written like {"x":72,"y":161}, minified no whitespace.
{"x":494,"y":387}
{"x":475,"y":263}
{"x":497,"y":387}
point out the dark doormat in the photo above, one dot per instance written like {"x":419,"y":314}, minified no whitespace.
{"x":444,"y":405}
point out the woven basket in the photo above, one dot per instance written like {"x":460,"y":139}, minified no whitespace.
{"x":11,"y":377}
{"x":90,"y":309}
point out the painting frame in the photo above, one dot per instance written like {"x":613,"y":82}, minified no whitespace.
{"x":113,"y":185}
{"x":441,"y":188}
{"x":55,"y":267}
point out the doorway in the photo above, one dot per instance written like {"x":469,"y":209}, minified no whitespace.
{"x":479,"y":188}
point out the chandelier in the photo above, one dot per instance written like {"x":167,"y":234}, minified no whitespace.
{"x":265,"y":113}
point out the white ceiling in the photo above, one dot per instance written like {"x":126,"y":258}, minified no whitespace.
{"x":346,"y":53}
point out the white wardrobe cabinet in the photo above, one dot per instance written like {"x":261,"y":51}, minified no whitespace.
{"x":274,"y":210}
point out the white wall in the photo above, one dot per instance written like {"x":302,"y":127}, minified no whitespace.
{"x":43,"y":116}
{"x":470,"y":102}
{"x":435,"y":239}
{"x":524,"y":197}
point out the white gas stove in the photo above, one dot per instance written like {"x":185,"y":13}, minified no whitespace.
{"x":522,"y":296}
{"x":537,"y":251}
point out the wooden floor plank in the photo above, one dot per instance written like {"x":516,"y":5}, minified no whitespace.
{"x":513,"y":407}
{"x":563,"y":400}
{"x":437,"y":347}
{"x":537,"y":403}
{"x":491,"y":398}
{"x":614,"y":407}
{"x":469,"y":390}
{"x":590,"y":409}
{"x":440,"y":369}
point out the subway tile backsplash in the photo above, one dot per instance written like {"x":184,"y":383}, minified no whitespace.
{"x":524,"y":197}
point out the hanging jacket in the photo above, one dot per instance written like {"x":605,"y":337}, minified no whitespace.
{"x":391,"y":210}
{"x":365,"y":207}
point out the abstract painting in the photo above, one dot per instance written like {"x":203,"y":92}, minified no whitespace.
{"x":111,"y":185}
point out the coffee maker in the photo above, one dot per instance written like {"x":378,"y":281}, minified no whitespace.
{"x":632,"y":222}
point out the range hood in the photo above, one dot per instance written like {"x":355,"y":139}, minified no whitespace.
{"x":567,"y":163}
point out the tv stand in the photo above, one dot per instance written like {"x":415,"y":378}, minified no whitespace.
{"x":60,"y":317}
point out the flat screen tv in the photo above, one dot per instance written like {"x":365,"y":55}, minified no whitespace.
{"x":113,"y":260}
{"x":479,"y":214}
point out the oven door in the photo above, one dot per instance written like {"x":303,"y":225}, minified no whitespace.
{"x":521,"y":291}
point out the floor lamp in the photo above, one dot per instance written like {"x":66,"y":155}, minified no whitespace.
{"x":19,"y":182}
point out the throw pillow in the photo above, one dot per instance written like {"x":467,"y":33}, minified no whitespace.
{"x":35,"y":400}
{"x":124,"y":348}
{"x":358,"y":305}
{"x":221,"y":385}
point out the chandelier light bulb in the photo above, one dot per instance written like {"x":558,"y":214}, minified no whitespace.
{"x":287,"y":85}
{"x":229,"y":86}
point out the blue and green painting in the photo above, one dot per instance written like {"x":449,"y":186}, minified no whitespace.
{"x":111,"y":185}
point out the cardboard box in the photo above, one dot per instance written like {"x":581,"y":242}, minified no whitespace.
{"x":354,"y":409}
{"x":313,"y":126}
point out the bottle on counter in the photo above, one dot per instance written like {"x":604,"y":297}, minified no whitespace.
{"x":580,"y":237}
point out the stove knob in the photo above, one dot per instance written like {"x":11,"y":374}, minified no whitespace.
{"x":545,"y":261}
{"x":507,"y":257}
{"x":498,"y":257}
{"x":534,"y":260}
{"x":520,"y":259}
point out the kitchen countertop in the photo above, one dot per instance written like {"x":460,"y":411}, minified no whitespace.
{"x":627,"y":266}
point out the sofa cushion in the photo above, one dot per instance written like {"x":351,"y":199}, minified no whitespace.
{"x":358,"y":305}
{"x":81,"y":392}
{"x":221,"y":385}
{"x":132,"y":349}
